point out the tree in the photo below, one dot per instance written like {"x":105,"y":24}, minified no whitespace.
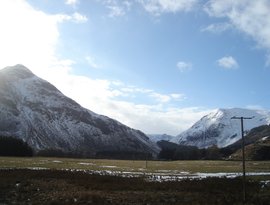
{"x":213,"y":153}
{"x":11,"y":146}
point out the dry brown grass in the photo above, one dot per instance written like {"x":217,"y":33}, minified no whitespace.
{"x":132,"y":165}
{"x":65,"y":187}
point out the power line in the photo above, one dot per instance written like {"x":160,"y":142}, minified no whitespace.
{"x":243,"y":152}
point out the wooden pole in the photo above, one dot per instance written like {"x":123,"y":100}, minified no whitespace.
{"x":243,"y":154}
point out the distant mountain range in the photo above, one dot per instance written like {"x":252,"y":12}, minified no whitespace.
{"x":257,"y":147}
{"x":217,"y":128}
{"x":37,"y":112}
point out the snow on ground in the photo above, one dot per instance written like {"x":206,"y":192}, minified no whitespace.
{"x":161,"y":175}
{"x":57,"y":161}
{"x":86,"y":163}
{"x":108,"y":166}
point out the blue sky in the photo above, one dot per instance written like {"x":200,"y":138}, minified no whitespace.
{"x":154,"y":65}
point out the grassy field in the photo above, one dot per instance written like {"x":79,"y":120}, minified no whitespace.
{"x":41,"y":180}
{"x":134,"y":166}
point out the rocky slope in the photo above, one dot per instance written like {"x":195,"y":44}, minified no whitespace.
{"x":34,"y":110}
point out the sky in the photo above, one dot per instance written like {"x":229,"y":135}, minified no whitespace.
{"x":154,"y":65}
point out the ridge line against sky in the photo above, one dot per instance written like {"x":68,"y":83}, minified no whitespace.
{"x":154,"y":65}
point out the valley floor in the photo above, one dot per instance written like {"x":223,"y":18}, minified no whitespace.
{"x":64,"y":181}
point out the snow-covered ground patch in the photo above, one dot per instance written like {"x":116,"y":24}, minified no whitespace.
{"x":57,"y":161}
{"x":161,"y":175}
{"x":86,"y":163}
{"x":108,"y":166}
{"x":265,"y":183}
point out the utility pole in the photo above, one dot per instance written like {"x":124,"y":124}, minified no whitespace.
{"x":243,"y":152}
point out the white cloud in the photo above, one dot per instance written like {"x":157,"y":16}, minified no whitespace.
{"x":249,"y":17}
{"x":116,"y":11}
{"x":71,"y":2}
{"x":148,"y":93}
{"x":184,"y":66}
{"x":92,"y":62}
{"x":79,"y":18}
{"x":255,"y":107}
{"x":161,"y":98}
{"x":158,"y":7}
{"x":75,"y":17}
{"x":217,"y":27}
{"x":117,"y":8}
{"x":101,"y":97}
{"x":27,"y":36}
{"x":30,"y":37}
{"x":151,"y":118}
{"x":227,"y":62}
{"x":178,"y":96}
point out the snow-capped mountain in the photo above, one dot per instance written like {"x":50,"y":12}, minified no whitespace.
{"x":159,"y":137}
{"x":34,"y":110}
{"x":217,"y":128}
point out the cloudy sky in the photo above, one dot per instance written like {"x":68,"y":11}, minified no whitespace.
{"x":154,"y":65}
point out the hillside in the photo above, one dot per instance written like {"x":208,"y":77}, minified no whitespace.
{"x":257,"y":144}
{"x":34,"y":110}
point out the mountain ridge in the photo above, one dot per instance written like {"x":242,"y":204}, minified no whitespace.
{"x":37,"y":112}
{"x":217,"y":128}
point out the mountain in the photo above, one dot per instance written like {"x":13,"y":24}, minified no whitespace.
{"x":160,"y":137}
{"x":217,"y":128}
{"x":38,"y":113}
{"x":257,"y":145}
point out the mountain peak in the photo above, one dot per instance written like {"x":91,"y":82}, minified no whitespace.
{"x":34,"y":110}
{"x":218,"y":128}
{"x":19,"y":71}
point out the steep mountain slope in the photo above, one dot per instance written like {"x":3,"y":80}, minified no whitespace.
{"x":217,"y":128}
{"x":34,"y":110}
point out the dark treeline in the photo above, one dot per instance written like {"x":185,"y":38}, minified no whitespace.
{"x":132,"y":155}
{"x":58,"y":153}
{"x":171,"y":151}
{"x":128,"y":155}
{"x":10,"y":146}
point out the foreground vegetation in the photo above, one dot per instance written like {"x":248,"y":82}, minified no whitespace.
{"x":24,"y":186}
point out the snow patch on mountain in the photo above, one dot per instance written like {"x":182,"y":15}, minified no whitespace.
{"x":37,"y":112}
{"x":217,"y":128}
